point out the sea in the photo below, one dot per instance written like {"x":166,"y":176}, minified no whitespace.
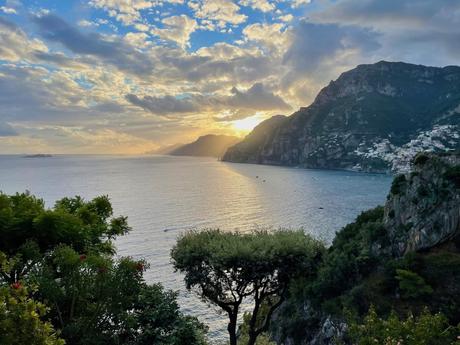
{"x":163,"y":196}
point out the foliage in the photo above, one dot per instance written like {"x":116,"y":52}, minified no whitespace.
{"x":262,"y":339}
{"x":22,"y":319}
{"x":29,"y":231}
{"x":228,"y":267}
{"x":158,"y":320}
{"x":97,"y":300}
{"x":91,"y":297}
{"x":412,"y":285}
{"x":426,"y":329}
{"x":349,"y":258}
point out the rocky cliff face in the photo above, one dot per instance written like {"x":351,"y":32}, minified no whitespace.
{"x":422,"y":217}
{"x":423,"y":208}
{"x":372,"y":118}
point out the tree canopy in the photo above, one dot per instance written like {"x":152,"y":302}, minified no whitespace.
{"x":59,"y":277}
{"x":228,"y":267}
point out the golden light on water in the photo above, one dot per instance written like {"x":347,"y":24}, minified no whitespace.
{"x":246,"y":125}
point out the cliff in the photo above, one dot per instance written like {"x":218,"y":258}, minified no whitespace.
{"x":373,"y":118}
{"x":402,"y":257}
{"x":423,"y":209}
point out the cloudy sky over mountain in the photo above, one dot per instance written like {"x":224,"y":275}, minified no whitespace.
{"x":128,"y":76}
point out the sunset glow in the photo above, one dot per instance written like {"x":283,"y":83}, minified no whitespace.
{"x":246,"y":125}
{"x":118,"y":76}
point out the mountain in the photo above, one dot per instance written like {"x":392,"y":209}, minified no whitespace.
{"x":164,"y":150}
{"x":208,"y":145}
{"x":374,"y":117}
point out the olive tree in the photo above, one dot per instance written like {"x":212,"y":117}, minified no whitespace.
{"x":227,"y":268}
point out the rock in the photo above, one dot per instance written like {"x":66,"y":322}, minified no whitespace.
{"x":331,"y":330}
{"x":423,"y":208}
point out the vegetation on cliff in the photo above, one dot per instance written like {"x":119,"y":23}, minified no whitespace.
{"x":395,"y":259}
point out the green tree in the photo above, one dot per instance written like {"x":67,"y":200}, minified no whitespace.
{"x":22,"y":319}
{"x":98,"y":300}
{"x":92,"y":298}
{"x":28,"y":231}
{"x":229,"y":267}
{"x":426,"y":329}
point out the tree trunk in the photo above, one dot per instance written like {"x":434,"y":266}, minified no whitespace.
{"x":253,"y":321}
{"x":232,"y":327}
{"x":252,"y":339}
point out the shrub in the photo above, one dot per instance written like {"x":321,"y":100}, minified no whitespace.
{"x":426,"y":329}
{"x":22,"y":319}
{"x":412,"y":285}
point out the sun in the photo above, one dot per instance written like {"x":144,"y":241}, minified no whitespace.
{"x":246,"y":125}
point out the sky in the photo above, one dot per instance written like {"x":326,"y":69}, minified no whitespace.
{"x":131,"y":76}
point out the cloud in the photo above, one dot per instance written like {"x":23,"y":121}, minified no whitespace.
{"x":7,"y":10}
{"x":6,"y":130}
{"x":286,"y":18}
{"x":177,"y":29}
{"x":298,"y":3}
{"x":410,"y":30}
{"x":218,"y":12}
{"x":262,"y":5}
{"x":165,"y":105}
{"x":125,"y":11}
{"x":14,"y":43}
{"x":255,"y":98}
{"x":114,"y":52}
{"x":314,"y":43}
{"x":271,"y":37}
{"x":238,"y":115}
{"x":423,"y":13}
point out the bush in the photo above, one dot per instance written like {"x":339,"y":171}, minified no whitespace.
{"x":22,"y":319}
{"x":412,"y":285}
{"x":426,"y":329}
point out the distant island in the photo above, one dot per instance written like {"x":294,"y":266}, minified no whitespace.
{"x":38,"y":155}
{"x":210,"y":145}
{"x":375,"y":118}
